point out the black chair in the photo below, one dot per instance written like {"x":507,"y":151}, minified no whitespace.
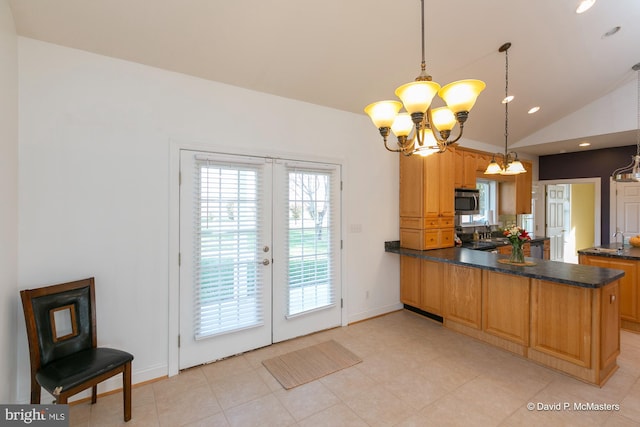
{"x":61,"y":329}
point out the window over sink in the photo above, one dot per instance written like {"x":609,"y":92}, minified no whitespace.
{"x":488,"y":205}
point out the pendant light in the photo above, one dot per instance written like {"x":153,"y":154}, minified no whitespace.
{"x":421,"y":129}
{"x":631,"y":172}
{"x":511,"y":165}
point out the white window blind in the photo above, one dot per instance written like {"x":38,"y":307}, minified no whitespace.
{"x":312,"y":241}
{"x":227,"y":277}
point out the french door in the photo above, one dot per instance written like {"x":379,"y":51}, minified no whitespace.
{"x":260,"y":252}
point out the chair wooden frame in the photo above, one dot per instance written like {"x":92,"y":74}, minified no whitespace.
{"x":62,"y":396}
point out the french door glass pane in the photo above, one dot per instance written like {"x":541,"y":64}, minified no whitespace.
{"x":227,"y":276}
{"x":309,"y":246}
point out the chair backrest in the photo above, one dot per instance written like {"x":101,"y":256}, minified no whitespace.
{"x":60,"y":320}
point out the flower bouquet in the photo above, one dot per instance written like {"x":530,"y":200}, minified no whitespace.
{"x":518,"y":237}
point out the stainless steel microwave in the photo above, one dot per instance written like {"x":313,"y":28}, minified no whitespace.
{"x":467,"y":201}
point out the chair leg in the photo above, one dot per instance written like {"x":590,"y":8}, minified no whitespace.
{"x":126,"y":390}
{"x":35,"y":391}
{"x":94,"y":394}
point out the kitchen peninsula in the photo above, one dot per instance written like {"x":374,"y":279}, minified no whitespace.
{"x":627,"y":260}
{"x":563,"y":316}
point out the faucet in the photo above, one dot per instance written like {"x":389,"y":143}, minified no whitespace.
{"x":615,"y":235}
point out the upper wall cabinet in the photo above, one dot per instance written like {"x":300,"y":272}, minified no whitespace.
{"x":465,"y":169}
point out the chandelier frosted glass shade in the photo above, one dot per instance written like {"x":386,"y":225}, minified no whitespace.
{"x":383,"y":113}
{"x":493,"y":168}
{"x":461,"y":95}
{"x":417,"y":96}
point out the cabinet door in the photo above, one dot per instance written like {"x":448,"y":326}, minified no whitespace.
{"x":628,"y":283}
{"x":505,"y":306}
{"x":432,"y":286}
{"x":410,"y":281}
{"x":561,"y":321}
{"x":447,"y":184}
{"x":469,"y":176}
{"x":411,"y":168}
{"x":458,"y":180}
{"x":504,"y":250}
{"x":463,"y":295}
{"x":431,"y":184}
{"x":523,"y":190}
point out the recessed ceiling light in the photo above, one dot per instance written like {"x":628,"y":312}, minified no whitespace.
{"x":508,"y":99}
{"x":533,"y":110}
{"x":611,"y":32}
{"x":584,"y":5}
{"x":584,"y":144}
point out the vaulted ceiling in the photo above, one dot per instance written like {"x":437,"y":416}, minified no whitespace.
{"x":346,"y":54}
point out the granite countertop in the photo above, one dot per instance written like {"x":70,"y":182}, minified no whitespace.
{"x":610,"y":251}
{"x":495,"y":242}
{"x":585,"y":276}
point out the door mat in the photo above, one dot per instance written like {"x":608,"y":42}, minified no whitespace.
{"x":310,"y":363}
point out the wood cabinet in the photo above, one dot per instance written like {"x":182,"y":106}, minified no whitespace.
{"x":546,"y":250}
{"x":463,"y":290}
{"x":466,"y":166}
{"x":629,"y":296}
{"x":432,"y":286}
{"x":576,"y":330}
{"x":573,"y":329}
{"x":410,"y":281}
{"x":524,"y":182}
{"x":422,"y":284}
{"x":427,"y":201}
{"x":505,"y":306}
{"x":506,"y":249}
{"x":561,"y":319}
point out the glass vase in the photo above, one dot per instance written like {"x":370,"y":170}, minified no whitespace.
{"x":517,"y":256}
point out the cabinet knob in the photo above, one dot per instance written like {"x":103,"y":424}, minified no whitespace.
{"x":612,"y":298}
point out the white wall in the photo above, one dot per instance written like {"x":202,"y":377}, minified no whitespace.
{"x":9,"y":299}
{"x":95,"y":138}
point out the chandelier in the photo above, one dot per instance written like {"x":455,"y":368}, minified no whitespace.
{"x":422,"y":129}
{"x":510,"y":165}
{"x":631,"y":173}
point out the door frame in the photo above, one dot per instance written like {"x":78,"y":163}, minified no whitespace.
{"x":613,"y":206}
{"x":175,"y":146}
{"x":540,"y":220}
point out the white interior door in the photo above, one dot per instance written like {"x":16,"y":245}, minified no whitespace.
{"x":260,"y":253}
{"x":627,"y":209}
{"x":556,"y":218}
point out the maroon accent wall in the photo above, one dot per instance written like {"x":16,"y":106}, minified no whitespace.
{"x":589,"y":164}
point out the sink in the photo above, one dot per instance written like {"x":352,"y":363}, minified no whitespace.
{"x":606,"y":250}
{"x":498,"y":240}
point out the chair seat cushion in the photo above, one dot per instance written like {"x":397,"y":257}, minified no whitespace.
{"x":68,"y":372}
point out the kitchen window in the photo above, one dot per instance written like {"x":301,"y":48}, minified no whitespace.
{"x":488,"y":205}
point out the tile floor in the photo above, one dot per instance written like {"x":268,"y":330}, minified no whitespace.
{"x":414,"y":373}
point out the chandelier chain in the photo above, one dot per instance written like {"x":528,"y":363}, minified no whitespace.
{"x":637,"y":69}
{"x":506,"y":103}
{"x":423,"y":65}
